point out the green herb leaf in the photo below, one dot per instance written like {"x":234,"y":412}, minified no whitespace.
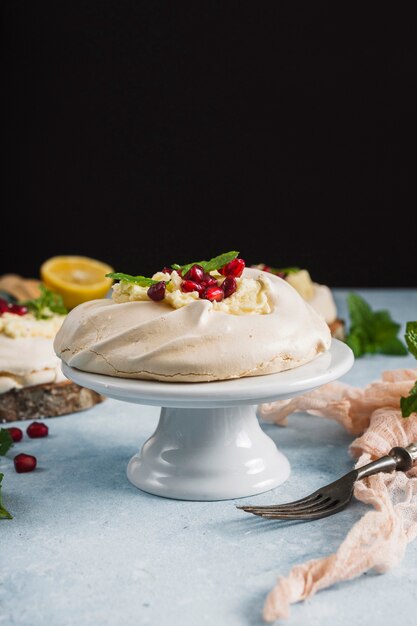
{"x":6,"y":441}
{"x":209,"y":266}
{"x":142,"y":281}
{"x":411,"y":337}
{"x":184,"y":268}
{"x":371,"y":331}
{"x":219,"y":261}
{"x":285,"y":270}
{"x":409,"y":404}
{"x":4,"y":514}
{"x":46,"y":305}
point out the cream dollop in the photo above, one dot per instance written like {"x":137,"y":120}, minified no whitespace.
{"x":194,"y":343}
{"x":27,"y":361}
{"x":319,"y":296}
{"x":27,"y":354}
{"x":251,"y":295}
{"x":323,"y":302}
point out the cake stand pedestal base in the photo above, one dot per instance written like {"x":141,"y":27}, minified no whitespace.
{"x":208,"y":454}
{"x":209,"y":444}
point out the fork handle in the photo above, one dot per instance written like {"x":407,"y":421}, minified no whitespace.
{"x":398,"y":458}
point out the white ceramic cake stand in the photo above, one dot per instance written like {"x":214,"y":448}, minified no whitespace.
{"x":208,"y":444}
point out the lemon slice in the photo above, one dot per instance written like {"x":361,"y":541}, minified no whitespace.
{"x":76,"y":278}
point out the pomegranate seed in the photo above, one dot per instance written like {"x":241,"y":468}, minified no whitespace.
{"x":213,"y":293}
{"x":4,"y":306}
{"x":209,"y":280}
{"x":24,"y":463}
{"x":234,"y":268}
{"x":15,"y":433}
{"x":191,"y":285}
{"x":18,"y":309}
{"x":167,"y":270}
{"x":266,"y":268}
{"x":229,"y":286}
{"x":157,"y":291}
{"x":195,"y":273}
{"x":37,"y":429}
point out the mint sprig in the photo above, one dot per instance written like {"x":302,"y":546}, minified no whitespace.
{"x":4,"y":513}
{"x":372,"y":331}
{"x":142,"y":281}
{"x":6,"y":441}
{"x":209,"y":266}
{"x":411,"y":337}
{"x":409,"y":403}
{"x":46,"y":305}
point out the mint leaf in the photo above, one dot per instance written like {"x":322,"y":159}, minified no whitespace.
{"x":371,"y":331}
{"x":356,"y":344}
{"x":409,"y":404}
{"x":4,"y":514}
{"x":411,"y":337}
{"x":285,"y":270}
{"x":184,"y":268}
{"x":218,"y":261}
{"x":142,"y":281}
{"x":6,"y":441}
{"x":46,"y":305}
{"x":209,"y":266}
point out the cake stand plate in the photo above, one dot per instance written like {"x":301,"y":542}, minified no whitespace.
{"x":208,"y":444}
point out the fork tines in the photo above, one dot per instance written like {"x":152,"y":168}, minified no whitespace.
{"x":306,"y":508}
{"x":325,"y":501}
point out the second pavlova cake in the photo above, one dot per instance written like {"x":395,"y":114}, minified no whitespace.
{"x":205,"y":321}
{"x":31,"y":382}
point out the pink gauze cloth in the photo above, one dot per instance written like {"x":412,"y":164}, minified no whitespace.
{"x":379,"y":539}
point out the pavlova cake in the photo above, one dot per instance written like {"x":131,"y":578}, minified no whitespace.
{"x":319,"y":296}
{"x":31,"y":382}
{"x":205,"y":321}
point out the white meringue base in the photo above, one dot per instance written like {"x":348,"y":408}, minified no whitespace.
{"x":208,"y":454}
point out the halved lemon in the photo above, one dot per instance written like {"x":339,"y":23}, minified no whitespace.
{"x":76,"y":278}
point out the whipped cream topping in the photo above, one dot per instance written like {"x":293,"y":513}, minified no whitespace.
{"x":27,"y":355}
{"x":15,"y":326}
{"x":27,"y":361}
{"x":319,"y":296}
{"x":323,"y":302}
{"x":251,"y":295}
{"x":199,"y":341}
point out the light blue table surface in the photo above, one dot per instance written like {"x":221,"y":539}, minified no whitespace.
{"x":85,"y":547}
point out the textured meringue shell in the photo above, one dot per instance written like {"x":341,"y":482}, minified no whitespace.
{"x":152,"y":341}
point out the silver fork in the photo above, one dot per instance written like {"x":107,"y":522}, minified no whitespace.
{"x":336,"y":496}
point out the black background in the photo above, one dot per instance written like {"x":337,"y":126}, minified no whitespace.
{"x":147,"y":133}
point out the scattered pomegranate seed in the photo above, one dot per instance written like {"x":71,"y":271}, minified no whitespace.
{"x":229,"y":286}
{"x":24,"y":463}
{"x":7,"y":307}
{"x":15,"y":433}
{"x":234,"y":268}
{"x":4,"y":306}
{"x":266,"y":268}
{"x":191,"y":285}
{"x":37,"y":429}
{"x":213,"y":293}
{"x":167,"y":270}
{"x":195,"y":273}
{"x":157,"y":291}
{"x":18,"y":309}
